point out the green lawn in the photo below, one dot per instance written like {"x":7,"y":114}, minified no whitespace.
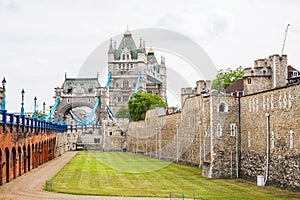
{"x":128,"y":174}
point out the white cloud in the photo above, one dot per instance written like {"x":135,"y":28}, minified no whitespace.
{"x":57,"y":36}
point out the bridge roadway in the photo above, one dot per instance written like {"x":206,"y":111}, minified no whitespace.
{"x":29,"y":185}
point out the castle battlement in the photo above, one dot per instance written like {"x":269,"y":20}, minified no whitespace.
{"x":266,"y":74}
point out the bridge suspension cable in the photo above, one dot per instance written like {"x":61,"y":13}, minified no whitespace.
{"x":52,"y":110}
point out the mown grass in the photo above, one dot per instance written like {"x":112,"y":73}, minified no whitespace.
{"x":127,"y":174}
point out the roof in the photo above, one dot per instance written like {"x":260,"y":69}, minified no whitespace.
{"x":129,"y":43}
{"x":290,"y":68}
{"x":80,"y":85}
{"x":237,"y":86}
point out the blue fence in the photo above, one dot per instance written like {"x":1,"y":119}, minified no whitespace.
{"x":24,"y":124}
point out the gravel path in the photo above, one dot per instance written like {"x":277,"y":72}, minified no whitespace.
{"x":29,"y":185}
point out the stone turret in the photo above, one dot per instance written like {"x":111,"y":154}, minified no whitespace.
{"x":163,"y":74}
{"x":110,"y":54}
{"x":266,"y":74}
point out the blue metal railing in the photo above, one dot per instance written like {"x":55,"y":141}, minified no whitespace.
{"x":24,"y":124}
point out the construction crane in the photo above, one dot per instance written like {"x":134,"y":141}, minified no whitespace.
{"x":285,"y":36}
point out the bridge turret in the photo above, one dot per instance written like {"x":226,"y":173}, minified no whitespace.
{"x":57,"y":92}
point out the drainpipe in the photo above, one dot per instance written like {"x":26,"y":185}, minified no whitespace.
{"x":200,"y":146}
{"x":238,"y":130}
{"x":268,"y":146}
{"x":177,"y":155}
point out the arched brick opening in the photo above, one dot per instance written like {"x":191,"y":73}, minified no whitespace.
{"x":20,"y":160}
{"x":33,"y":156}
{"x":14,"y":161}
{"x":39,"y":155}
{"x":7,"y":164}
{"x":53,"y":146}
{"x":28,"y":157}
{"x":47,"y":152}
{"x":50,"y":149}
{"x":43,"y":152}
{"x":0,"y":167}
{"x":36,"y":153}
{"x":24,"y":159}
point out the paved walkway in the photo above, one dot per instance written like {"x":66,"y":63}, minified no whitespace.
{"x":29,"y":186}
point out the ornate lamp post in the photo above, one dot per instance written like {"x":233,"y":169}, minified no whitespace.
{"x":3,"y":94}
{"x":3,"y":110}
{"x":44,"y":107}
{"x":22,"y":104}
{"x":34,"y":112}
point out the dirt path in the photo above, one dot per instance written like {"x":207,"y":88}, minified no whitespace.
{"x":29,"y":185}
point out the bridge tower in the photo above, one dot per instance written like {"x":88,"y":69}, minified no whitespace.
{"x":125,"y":63}
{"x":80,"y":92}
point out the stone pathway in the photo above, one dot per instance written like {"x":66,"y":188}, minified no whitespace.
{"x":29,"y":186}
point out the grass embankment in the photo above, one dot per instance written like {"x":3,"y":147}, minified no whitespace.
{"x":127,"y":174}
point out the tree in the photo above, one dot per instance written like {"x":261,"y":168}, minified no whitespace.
{"x":39,"y":114}
{"x":226,"y":77}
{"x":142,"y":102}
{"x":123,"y":112}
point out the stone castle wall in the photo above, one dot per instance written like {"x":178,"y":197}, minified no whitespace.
{"x":190,"y":137}
{"x":279,"y":108}
{"x":230,"y":136}
{"x":227,"y":136}
{"x":224,"y":125}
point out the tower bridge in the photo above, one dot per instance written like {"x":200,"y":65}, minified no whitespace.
{"x":29,"y":141}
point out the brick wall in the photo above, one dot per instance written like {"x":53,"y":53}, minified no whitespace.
{"x":22,"y":152}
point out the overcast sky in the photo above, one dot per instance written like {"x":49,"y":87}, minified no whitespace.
{"x":40,"y":40}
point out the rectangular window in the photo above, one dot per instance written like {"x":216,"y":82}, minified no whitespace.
{"x":280,"y":101}
{"x":284,"y":100}
{"x":232,"y":129}
{"x":256,"y":104}
{"x":291,"y":139}
{"x":295,"y":73}
{"x":249,"y":139}
{"x":249,"y":81}
{"x":119,"y":99}
{"x":219,"y":130}
{"x":272,"y":102}
{"x":272,"y":140}
{"x":289,"y":100}
{"x":125,"y":98}
{"x":96,"y":140}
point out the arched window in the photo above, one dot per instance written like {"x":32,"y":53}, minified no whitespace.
{"x":125,"y":84}
{"x":222,"y":107}
{"x":219,"y":130}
